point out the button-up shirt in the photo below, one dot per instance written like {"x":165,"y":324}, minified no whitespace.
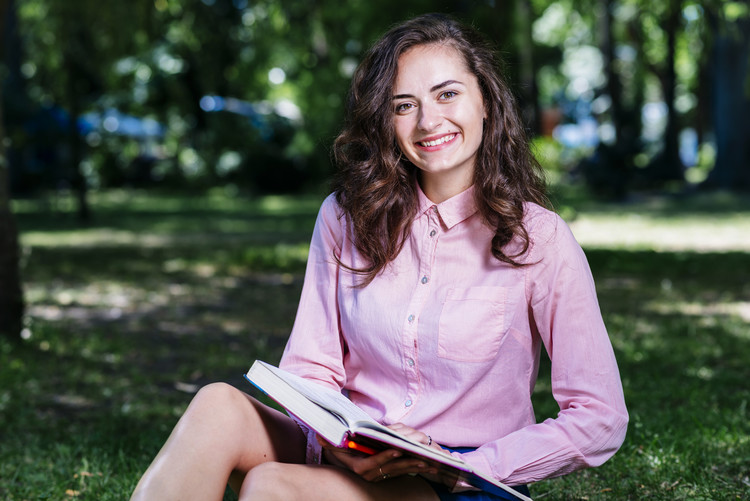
{"x":447,"y":339}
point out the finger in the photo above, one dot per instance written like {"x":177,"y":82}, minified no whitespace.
{"x":350,"y":457}
{"x":399,"y":467}
{"x":401,"y":428}
{"x":367,"y":467}
{"x":381,"y":466}
{"x":409,"y":432}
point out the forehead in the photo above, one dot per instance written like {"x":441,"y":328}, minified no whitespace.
{"x":426,"y":63}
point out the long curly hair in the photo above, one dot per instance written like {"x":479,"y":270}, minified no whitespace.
{"x":375,"y":184}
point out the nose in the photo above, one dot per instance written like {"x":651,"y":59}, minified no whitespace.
{"x":429,"y":117}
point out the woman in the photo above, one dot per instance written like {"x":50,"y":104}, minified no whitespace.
{"x":434,"y":277}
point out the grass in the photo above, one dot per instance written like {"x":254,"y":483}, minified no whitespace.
{"x":160,"y":295}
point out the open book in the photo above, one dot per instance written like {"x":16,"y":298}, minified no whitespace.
{"x":335,"y":418}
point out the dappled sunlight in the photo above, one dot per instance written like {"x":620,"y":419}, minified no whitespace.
{"x":164,"y":123}
{"x":102,"y":237}
{"x":105,"y":301}
{"x":94,"y":238}
{"x":740,"y":309}
{"x":184,"y":308}
{"x":148,"y":308}
{"x":639,"y":231}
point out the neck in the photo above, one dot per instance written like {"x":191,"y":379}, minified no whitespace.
{"x":439,"y":190}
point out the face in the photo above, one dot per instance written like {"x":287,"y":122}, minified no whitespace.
{"x":438,"y":115}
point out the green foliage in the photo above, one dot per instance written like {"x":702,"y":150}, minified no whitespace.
{"x":163,"y":294}
{"x":157,"y":59}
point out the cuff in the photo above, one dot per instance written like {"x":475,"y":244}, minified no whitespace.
{"x":313,"y":450}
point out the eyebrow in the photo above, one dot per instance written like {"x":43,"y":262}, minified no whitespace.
{"x":432,"y":89}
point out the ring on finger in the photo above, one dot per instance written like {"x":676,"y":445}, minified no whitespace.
{"x":382,"y":475}
{"x":429,"y":440}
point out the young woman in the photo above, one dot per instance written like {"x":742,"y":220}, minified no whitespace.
{"x":435,"y":276}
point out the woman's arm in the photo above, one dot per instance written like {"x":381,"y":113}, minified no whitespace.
{"x":315,"y":349}
{"x":585,"y":380}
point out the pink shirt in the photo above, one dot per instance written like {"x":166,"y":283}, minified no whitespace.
{"x":447,"y":340}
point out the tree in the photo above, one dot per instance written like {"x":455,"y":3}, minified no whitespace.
{"x":11,"y":295}
{"x":667,"y":166}
{"x":729,"y":73}
{"x":615,"y":162}
{"x":72,"y":48}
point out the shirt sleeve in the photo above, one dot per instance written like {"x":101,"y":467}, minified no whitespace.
{"x":315,"y":348}
{"x":564,"y":313}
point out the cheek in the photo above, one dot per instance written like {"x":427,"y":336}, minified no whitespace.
{"x":402,"y":135}
{"x":477,"y":121}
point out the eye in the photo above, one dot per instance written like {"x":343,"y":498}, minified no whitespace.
{"x":447,"y":95}
{"x":403,"y":107}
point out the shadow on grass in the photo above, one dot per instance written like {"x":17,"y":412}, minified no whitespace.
{"x":110,"y":365}
{"x":680,"y":326}
{"x":121,"y":335}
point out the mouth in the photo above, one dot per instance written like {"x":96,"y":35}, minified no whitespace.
{"x":436,"y":142}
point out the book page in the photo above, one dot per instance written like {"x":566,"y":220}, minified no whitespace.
{"x":327,"y":398}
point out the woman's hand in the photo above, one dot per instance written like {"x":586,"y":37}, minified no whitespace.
{"x":415,"y":435}
{"x":385,"y":464}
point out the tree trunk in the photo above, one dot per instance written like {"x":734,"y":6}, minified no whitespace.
{"x":11,"y":293}
{"x":78,"y":180}
{"x":607,"y":173}
{"x":614,"y":85}
{"x":671,"y":165}
{"x":730,"y":113}
{"x":530,"y":89}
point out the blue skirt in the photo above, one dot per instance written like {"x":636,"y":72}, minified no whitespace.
{"x":446,"y":495}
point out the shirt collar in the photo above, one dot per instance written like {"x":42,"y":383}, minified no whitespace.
{"x":451,"y":211}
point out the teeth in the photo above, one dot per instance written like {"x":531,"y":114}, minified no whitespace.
{"x":436,"y":142}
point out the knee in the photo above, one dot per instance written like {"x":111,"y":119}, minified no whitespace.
{"x":216,"y":394}
{"x":217,"y":401}
{"x":270,"y":472}
{"x":271,"y":479}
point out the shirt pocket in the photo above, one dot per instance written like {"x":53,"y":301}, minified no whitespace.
{"x":471,"y":326}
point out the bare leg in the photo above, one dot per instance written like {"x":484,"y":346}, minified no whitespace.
{"x":223,"y":432}
{"x":298,"y":482}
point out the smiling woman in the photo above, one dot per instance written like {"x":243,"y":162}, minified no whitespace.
{"x":434,"y":277}
{"x":439,"y":116}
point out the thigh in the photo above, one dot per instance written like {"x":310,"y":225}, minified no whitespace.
{"x":231,"y":420}
{"x":329,"y":483}
{"x":259,"y":434}
{"x":223,"y":434}
{"x":271,"y":436}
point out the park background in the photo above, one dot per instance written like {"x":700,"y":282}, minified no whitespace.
{"x":162,"y":165}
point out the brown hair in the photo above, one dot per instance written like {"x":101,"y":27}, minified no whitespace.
{"x":375,"y":184}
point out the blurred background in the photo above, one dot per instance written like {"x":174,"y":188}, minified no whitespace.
{"x":162,"y":162}
{"x":619,"y":94}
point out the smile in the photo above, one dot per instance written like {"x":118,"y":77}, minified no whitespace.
{"x":438,"y":141}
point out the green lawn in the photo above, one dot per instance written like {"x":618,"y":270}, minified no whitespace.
{"x":159,"y":295}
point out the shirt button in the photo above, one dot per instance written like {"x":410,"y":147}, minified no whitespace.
{"x":432,"y":233}
{"x":411,"y":318}
{"x":425,"y":279}
{"x":408,"y":403}
{"x":410,"y":362}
